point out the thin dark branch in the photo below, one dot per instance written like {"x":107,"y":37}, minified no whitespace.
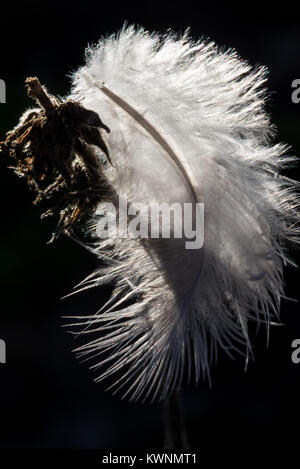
{"x":174,"y":424}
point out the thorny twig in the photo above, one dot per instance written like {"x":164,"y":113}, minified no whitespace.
{"x":54,"y":149}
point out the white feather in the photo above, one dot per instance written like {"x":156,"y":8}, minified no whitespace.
{"x":187,"y":125}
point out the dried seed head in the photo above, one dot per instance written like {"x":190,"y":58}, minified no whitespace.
{"x":54,"y":149}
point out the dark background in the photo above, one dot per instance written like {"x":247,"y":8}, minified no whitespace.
{"x":47,"y":398}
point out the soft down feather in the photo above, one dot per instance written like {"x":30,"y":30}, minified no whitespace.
{"x":187,"y":124}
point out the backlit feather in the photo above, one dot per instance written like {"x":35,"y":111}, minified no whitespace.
{"x":187,"y":125}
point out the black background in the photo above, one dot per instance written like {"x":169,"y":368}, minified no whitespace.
{"x":47,"y":398}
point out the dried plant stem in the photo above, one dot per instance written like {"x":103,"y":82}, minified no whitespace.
{"x":38,"y":93}
{"x":174,"y":425}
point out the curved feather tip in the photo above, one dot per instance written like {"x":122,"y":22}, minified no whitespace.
{"x":188,"y":129}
